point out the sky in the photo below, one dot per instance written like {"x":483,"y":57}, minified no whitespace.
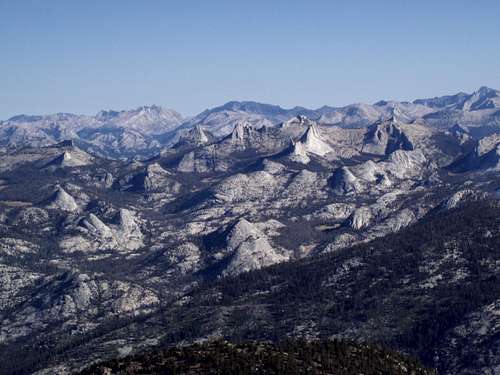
{"x":82,"y":56}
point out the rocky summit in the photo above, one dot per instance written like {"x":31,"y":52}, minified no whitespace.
{"x":136,"y":232}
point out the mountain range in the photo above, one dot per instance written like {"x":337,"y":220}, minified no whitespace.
{"x":137,"y":231}
{"x":146,"y":130}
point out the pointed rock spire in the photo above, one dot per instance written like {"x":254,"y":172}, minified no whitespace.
{"x":298,"y":152}
{"x":196,"y":136}
{"x":199,"y":135}
{"x":313,"y":143}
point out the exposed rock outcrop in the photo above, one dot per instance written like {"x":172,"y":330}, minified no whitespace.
{"x":385,"y":137}
{"x":61,"y":200}
{"x":249,"y":249}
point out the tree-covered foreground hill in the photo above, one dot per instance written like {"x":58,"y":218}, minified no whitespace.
{"x":290,"y":357}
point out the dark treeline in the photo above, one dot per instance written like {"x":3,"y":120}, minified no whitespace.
{"x":292,"y":357}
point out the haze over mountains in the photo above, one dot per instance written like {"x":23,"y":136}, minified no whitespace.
{"x":129,"y":230}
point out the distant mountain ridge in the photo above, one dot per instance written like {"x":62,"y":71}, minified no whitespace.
{"x":110,"y":133}
{"x":484,"y":98}
{"x":146,"y":130}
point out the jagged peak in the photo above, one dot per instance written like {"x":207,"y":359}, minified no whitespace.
{"x":385,"y":136}
{"x":312,"y":131}
{"x":148,"y":113}
{"x":241,"y":130}
{"x":199,"y":134}
{"x":487,"y":91}
{"x":313,"y":141}
{"x":389,"y":121}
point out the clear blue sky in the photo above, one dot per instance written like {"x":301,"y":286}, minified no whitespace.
{"x":83,"y":56}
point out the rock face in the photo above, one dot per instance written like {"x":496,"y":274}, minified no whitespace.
{"x":122,"y":235}
{"x":459,"y":197}
{"x":129,"y":233}
{"x":70,"y":158}
{"x":406,"y":163}
{"x":195,"y":137}
{"x":360,"y":218}
{"x":461,"y":132}
{"x":485,"y":156}
{"x":344,"y":181}
{"x":313,"y":143}
{"x":298,"y":153}
{"x":96,"y":227}
{"x":61,"y":200}
{"x":156,"y":178}
{"x":152,"y":178}
{"x":486,"y":144}
{"x":310,"y":143}
{"x":249,"y":249}
{"x":243,"y":187}
{"x":386,"y":137}
{"x":242,"y":131}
